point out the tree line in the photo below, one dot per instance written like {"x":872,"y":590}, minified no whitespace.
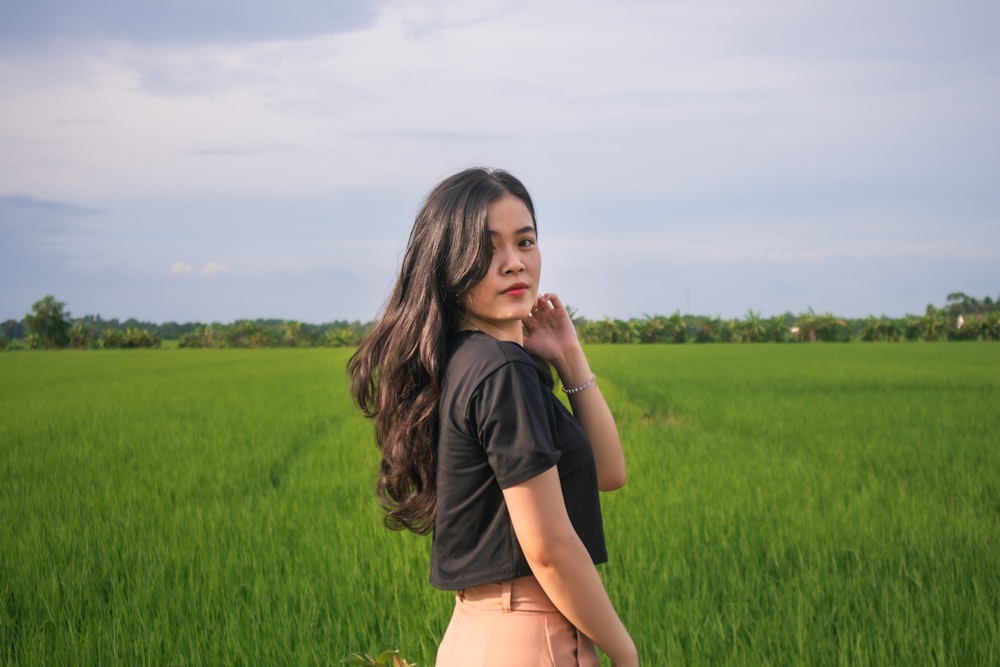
{"x":961,"y":318}
{"x":50,"y":326}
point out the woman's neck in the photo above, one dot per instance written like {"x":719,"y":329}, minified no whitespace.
{"x":510,"y":334}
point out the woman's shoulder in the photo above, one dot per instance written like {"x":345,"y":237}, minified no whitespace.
{"x":480,"y":365}
{"x":483,"y":354}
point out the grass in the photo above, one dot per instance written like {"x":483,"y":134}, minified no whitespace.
{"x":814,"y":505}
{"x":787,"y":505}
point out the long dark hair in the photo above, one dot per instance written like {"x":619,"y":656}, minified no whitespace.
{"x":396,"y":371}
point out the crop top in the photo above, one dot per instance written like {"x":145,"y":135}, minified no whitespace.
{"x":500,"y":425}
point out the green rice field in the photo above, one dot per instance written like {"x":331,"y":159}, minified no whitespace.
{"x":787,"y":505}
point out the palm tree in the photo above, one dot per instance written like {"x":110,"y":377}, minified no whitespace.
{"x":652,"y":328}
{"x":911,"y":327}
{"x":608,"y":330}
{"x":677,"y":328}
{"x":293,"y":332}
{"x":588,"y":332}
{"x":78,"y":335}
{"x":708,"y":329}
{"x":989,"y":326}
{"x":891,"y":329}
{"x":966,"y":327}
{"x":933,"y":324}
{"x":339,"y":337}
{"x":753,"y":328}
{"x":213,"y":335}
{"x":245,"y":333}
{"x":806,"y":325}
{"x":831,"y":329}
{"x":628,"y":330}
{"x":729,"y":333}
{"x":871,"y":330}
{"x":777,"y":329}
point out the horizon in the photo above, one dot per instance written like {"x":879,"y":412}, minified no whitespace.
{"x":576,"y":315}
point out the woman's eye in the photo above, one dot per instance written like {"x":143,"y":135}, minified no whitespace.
{"x":526,"y":243}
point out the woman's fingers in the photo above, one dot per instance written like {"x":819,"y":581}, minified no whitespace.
{"x":546,"y":302}
{"x":557,"y":304}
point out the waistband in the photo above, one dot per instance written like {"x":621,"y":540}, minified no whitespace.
{"x":521,"y":594}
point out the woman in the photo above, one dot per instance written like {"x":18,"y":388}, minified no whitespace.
{"x":455,"y":375}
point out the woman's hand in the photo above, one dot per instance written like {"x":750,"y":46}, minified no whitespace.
{"x":549,"y":332}
{"x":632,"y":661}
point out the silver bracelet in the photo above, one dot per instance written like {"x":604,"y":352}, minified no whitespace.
{"x":574,"y":390}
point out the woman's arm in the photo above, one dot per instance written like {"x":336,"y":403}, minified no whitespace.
{"x":560,"y":562}
{"x":551,"y":336}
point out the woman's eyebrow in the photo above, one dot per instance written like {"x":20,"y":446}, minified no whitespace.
{"x":523,"y":230}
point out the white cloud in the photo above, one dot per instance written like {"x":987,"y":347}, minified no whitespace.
{"x":181,"y":268}
{"x":213,"y":269}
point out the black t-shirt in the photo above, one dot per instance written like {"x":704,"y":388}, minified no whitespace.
{"x":500,"y":426}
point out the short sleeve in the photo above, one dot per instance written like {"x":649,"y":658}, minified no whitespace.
{"x":509,"y":414}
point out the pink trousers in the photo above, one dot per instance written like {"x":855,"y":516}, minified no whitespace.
{"x":512,"y":623}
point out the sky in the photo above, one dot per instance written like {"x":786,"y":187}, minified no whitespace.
{"x":215,"y":160}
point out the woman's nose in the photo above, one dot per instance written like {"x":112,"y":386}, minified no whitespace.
{"x":511,"y":261}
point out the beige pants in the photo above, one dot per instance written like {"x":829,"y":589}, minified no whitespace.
{"x":512,"y":623}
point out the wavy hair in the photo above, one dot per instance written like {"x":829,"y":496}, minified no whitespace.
{"x":396,"y":371}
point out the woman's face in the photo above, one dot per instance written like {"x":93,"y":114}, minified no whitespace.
{"x":505,"y":296}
